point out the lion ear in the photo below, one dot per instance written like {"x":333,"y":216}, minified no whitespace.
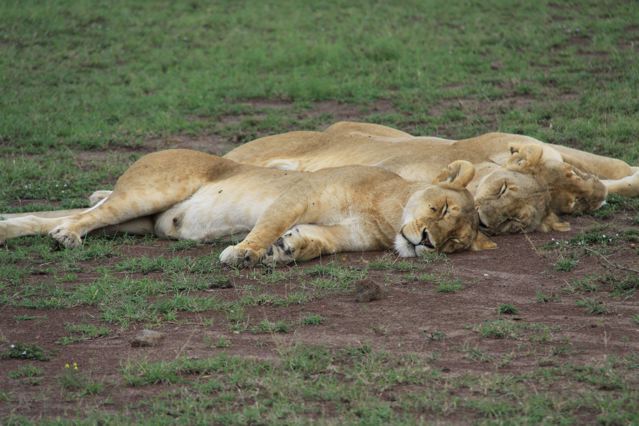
{"x":457,"y":174}
{"x":482,"y":242}
{"x":524,"y":156}
{"x":553,"y":223}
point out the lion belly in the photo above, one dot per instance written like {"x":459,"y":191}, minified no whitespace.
{"x":216,"y":210}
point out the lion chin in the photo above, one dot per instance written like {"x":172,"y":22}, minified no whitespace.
{"x":405,"y":248}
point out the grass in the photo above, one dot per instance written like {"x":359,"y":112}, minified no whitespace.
{"x":88,"y":87}
{"x":507,"y":309}
{"x":73,"y":380}
{"x":82,"y":332}
{"x":593,"y":306}
{"x":507,"y":329}
{"x":356,"y":380}
{"x":444,"y":283}
{"x":27,"y":371}
{"x":25,"y":351}
{"x":542,"y":297}
{"x":223,"y":342}
{"x":624,"y":285}
{"x":313,"y":319}
{"x":269,"y":327}
{"x":566,"y":265}
{"x":582,"y":285}
{"x":391,"y":263}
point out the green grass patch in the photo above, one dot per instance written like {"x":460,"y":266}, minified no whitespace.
{"x":82,"y":332}
{"x":73,"y":380}
{"x":542,"y":297}
{"x":586,"y":284}
{"x":313,"y":319}
{"x":25,"y":351}
{"x":269,"y":327}
{"x":566,"y":265}
{"x":507,"y":329}
{"x":444,"y":283}
{"x":593,"y":306}
{"x":507,"y":309}
{"x":27,"y":371}
{"x":391,"y":263}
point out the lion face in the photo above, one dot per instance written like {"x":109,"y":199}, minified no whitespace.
{"x":510,"y":201}
{"x":572,"y":190}
{"x":517,"y":198}
{"x":442,"y":216}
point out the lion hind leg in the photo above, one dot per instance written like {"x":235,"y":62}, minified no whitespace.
{"x":598,"y":165}
{"x":133,"y":197}
{"x":626,"y":187}
{"x":28,"y":225}
{"x":43,"y":214}
{"x":121,"y":206}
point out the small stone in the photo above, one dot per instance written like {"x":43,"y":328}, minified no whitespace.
{"x":147,"y":338}
{"x":367,"y":291}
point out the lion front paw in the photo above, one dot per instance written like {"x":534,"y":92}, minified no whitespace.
{"x":65,"y":237}
{"x":240,"y":257}
{"x":286,"y":249}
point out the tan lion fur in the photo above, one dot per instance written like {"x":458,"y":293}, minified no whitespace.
{"x":288,"y":215}
{"x":521,"y":183}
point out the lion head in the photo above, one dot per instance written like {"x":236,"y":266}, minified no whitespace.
{"x":516,"y":197}
{"x":573,"y":191}
{"x":442,"y":217}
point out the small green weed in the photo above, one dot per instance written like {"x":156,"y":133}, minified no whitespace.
{"x":72,"y":379}
{"x":223,"y":342}
{"x":391,"y":263}
{"x":29,"y":317}
{"x":445,"y":283}
{"x":183,"y":245}
{"x":593,"y":306}
{"x":27,"y":371}
{"x":476,"y":354}
{"x":313,"y":319}
{"x":541,"y":297}
{"x":566,"y":265}
{"x":343,"y":276}
{"x":268,"y":327}
{"x":435,"y":335}
{"x":449,"y":285}
{"x":82,"y":332}
{"x":582,"y":285}
{"x":432,"y":257}
{"x":507,"y":309}
{"x":25,"y":351}
{"x":506,"y":329}
{"x":624,"y":286}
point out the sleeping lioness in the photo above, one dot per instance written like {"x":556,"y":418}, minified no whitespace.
{"x":520,"y":184}
{"x":291,"y":215}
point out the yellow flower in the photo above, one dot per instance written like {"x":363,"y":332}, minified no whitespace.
{"x":75,"y":365}
{"x":67,"y":365}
